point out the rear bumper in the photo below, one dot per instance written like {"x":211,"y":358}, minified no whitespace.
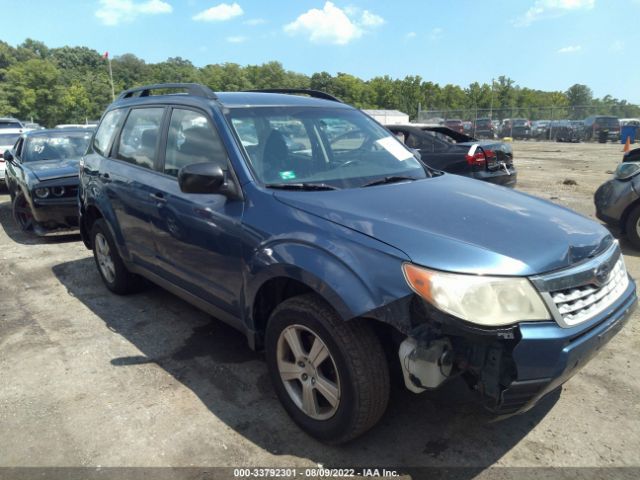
{"x":548,"y":355}
{"x":499,"y":177}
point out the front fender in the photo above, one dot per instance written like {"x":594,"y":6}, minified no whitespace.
{"x":354,"y":278}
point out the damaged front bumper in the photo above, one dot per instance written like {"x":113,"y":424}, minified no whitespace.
{"x":513,"y":367}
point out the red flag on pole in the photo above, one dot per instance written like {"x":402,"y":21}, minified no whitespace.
{"x":106,"y":55}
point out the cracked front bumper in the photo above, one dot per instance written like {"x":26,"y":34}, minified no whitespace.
{"x":548,"y":355}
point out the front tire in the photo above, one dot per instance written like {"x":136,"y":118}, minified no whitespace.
{"x":22,"y":213}
{"x":110,"y":265}
{"x":331,"y":376}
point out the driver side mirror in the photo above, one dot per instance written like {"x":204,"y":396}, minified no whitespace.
{"x":201,"y":178}
{"x":8,"y":156}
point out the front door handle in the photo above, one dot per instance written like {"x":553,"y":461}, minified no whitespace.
{"x":158,"y":197}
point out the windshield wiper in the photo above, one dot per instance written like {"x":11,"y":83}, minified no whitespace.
{"x":391,"y":179}
{"x":301,"y":186}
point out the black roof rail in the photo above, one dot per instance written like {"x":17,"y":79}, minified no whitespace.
{"x":194,"y":89}
{"x":306,"y":91}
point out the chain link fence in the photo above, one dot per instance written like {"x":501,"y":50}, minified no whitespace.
{"x":543,"y":123}
{"x":532,"y":113}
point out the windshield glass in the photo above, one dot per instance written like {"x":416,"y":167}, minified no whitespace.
{"x":608,"y":121}
{"x":339,"y":147}
{"x":56,"y":146}
{"x":8,"y":138}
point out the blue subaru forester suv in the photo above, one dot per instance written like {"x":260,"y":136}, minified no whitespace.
{"x":305,"y":224}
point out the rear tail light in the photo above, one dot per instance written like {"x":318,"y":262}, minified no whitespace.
{"x":477,"y":156}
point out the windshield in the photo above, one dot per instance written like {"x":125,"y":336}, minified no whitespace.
{"x":608,"y":121}
{"x":56,"y":146}
{"x":8,"y":138}
{"x":339,"y":147}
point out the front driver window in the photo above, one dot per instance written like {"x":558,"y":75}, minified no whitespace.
{"x":192,"y":139}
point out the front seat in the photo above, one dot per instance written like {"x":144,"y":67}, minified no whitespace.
{"x":275,"y":157}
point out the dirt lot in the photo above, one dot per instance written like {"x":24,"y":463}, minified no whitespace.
{"x":91,"y":379}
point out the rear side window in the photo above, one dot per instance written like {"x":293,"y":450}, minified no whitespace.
{"x":138,"y":142}
{"x":192,"y":139}
{"x":106,"y":130}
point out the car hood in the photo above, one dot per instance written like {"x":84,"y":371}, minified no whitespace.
{"x":50,"y":169}
{"x":461,"y":225}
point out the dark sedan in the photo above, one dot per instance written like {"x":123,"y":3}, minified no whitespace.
{"x":42,"y":178}
{"x":453,"y":152}
{"x":617,"y":201}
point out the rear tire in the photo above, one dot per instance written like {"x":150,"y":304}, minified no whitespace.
{"x":353,"y":364}
{"x":632,"y":226}
{"x":114,"y":273}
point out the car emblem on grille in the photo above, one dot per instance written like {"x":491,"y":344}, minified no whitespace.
{"x":601,"y":273}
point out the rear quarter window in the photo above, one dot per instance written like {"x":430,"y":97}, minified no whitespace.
{"x":106,"y":131}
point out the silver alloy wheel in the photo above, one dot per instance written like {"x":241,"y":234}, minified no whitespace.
{"x":638,"y":227}
{"x":308,"y":372}
{"x":103,"y":255}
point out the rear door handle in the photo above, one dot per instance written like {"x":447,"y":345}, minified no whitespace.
{"x":158,"y":197}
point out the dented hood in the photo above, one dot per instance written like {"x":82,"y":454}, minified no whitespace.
{"x":461,"y":225}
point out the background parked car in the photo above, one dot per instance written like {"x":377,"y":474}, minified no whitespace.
{"x":601,"y":128}
{"x":76,"y":125}
{"x":454,"y":152}
{"x":483,"y":128}
{"x":8,"y":138}
{"x":516,"y":128}
{"x":467,"y":127}
{"x":630,"y":121}
{"x":540,"y":129}
{"x":42,"y":178}
{"x":617,"y":201}
{"x":9,"y":122}
{"x":567,"y":131}
{"x":455,"y":125}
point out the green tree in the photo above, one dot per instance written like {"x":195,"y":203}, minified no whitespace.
{"x":32,"y":89}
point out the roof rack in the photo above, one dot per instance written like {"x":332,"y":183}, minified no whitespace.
{"x":306,"y":91}
{"x":194,"y":89}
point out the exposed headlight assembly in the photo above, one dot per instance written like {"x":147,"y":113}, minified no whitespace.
{"x":626,"y":170}
{"x":42,"y":192}
{"x":483,"y":300}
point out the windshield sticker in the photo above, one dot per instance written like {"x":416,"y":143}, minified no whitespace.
{"x":287,"y":175}
{"x":392,"y":146}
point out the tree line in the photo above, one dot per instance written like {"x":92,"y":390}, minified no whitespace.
{"x":71,"y":85}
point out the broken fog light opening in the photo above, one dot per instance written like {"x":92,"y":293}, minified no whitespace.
{"x":41,"y":192}
{"x":425,"y":367}
{"x":58,"y":191}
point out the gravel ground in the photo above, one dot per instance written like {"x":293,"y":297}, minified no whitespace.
{"x":91,"y":379}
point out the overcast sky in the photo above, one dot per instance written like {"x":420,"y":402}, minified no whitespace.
{"x":543,"y":44}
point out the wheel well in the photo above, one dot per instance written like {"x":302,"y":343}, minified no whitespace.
{"x":272,"y":293}
{"x":625,"y":215}
{"x":90,"y":216}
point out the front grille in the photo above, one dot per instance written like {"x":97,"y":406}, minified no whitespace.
{"x":578,"y":304}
